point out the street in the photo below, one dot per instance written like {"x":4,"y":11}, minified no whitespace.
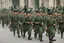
{"x":7,"y":37}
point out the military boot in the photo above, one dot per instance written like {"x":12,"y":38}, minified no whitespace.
{"x":58,"y":31}
{"x":18,"y":34}
{"x":29,"y":37}
{"x":24,"y":35}
{"x":52,"y":38}
{"x":14,"y":32}
{"x":40,"y":37}
{"x":35,"y":36}
{"x":61,"y":34}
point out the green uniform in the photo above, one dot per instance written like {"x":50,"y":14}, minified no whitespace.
{"x":44,"y":19}
{"x":27,"y":26}
{"x":39,"y":29}
{"x":61,"y":26}
{"x":21,"y":18}
{"x":58,"y":18}
{"x":7,"y":19}
{"x":51,"y":28}
{"x":15,"y":24}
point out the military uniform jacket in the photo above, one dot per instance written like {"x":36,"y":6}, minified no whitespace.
{"x":50,"y":26}
{"x":61,"y":24}
{"x":15,"y":21}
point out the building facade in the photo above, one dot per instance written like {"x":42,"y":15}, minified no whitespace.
{"x":31,"y":3}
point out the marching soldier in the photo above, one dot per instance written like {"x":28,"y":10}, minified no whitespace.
{"x":10,"y":16}
{"x":38,"y":23}
{"x":15,"y":22}
{"x":61,"y":24}
{"x":58,"y":18}
{"x":27,"y":25}
{"x":3,"y":19}
{"x":51,"y":27}
{"x":7,"y":18}
{"x":21,"y":18}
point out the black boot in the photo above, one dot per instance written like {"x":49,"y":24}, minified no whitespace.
{"x":61,"y":34}
{"x":3,"y":25}
{"x":18,"y":34}
{"x":41,"y":40}
{"x":58,"y":31}
{"x":40,"y":37}
{"x":21,"y":33}
{"x":14,"y":33}
{"x":50,"y":41}
{"x":24,"y":35}
{"x":35,"y":36}
{"x":52,"y":38}
{"x":29,"y":37}
{"x":11,"y":29}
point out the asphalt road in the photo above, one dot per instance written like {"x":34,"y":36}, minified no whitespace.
{"x":7,"y":37}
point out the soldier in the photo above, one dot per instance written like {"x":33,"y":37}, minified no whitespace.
{"x":7,"y":18}
{"x":27,"y":24}
{"x":10,"y":16}
{"x":35,"y":35}
{"x":61,"y":24}
{"x":38,"y":23}
{"x":57,"y":18}
{"x":21,"y":18}
{"x":51,"y":27}
{"x":44,"y":18}
{"x":3,"y":19}
{"x":15,"y":22}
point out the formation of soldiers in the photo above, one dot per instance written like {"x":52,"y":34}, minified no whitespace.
{"x":41,"y":20}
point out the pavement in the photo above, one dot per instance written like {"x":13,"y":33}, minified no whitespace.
{"x":7,"y":37}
